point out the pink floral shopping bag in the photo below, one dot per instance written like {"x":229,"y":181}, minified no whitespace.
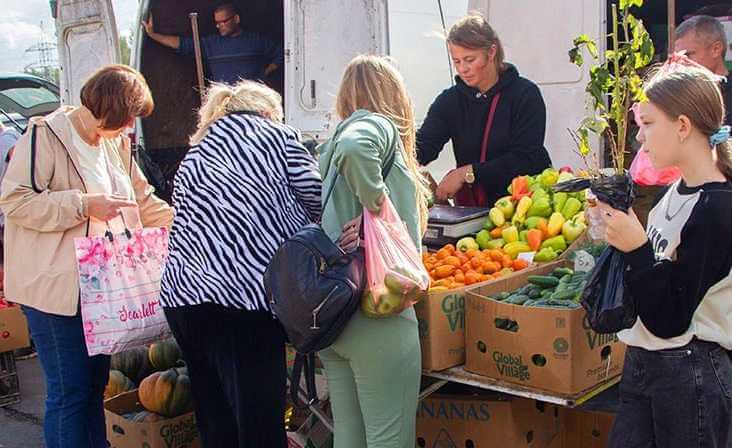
{"x":119,"y":279}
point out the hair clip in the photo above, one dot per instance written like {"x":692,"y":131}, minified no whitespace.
{"x":721,"y":136}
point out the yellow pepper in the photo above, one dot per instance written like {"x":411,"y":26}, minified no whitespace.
{"x":556,"y":221}
{"x":510,"y":234}
{"x":523,"y":206}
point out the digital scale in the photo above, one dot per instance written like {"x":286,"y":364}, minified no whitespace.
{"x":447,"y":224}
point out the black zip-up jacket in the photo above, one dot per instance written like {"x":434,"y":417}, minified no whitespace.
{"x":516,"y":142}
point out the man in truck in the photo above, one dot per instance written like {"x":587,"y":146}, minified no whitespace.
{"x":705,"y":42}
{"x":231,"y":55}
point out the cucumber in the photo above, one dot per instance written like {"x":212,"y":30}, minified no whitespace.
{"x":566,"y":294}
{"x":535,"y":293}
{"x":565,"y":279}
{"x":517,"y":299}
{"x":545,"y":281}
{"x":561,"y":272}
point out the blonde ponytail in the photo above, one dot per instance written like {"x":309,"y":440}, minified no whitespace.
{"x":245,"y":96}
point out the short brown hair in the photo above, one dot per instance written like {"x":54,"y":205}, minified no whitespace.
{"x":116,"y":93}
{"x":475,"y":33}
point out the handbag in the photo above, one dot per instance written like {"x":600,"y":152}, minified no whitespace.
{"x":473,"y":195}
{"x":314,"y":288}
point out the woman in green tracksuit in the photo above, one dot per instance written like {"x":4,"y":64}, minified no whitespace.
{"x":373,"y":368}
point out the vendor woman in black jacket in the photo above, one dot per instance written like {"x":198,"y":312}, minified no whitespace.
{"x":490,"y":148}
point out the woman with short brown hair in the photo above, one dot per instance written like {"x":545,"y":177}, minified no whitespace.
{"x":73,"y":175}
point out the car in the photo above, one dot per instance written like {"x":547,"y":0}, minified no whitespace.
{"x":23,"y":96}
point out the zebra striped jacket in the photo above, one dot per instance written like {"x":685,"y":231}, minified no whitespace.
{"x":239,"y":194}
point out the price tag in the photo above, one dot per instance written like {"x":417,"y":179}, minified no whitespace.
{"x":527,"y":256}
{"x":583,"y":261}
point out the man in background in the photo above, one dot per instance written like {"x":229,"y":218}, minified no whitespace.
{"x":705,"y":42}
{"x":231,"y":55}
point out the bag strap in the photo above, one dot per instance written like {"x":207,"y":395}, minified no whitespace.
{"x":303,"y":363}
{"x":489,"y":126}
{"x":385,"y":170}
{"x":33,"y":161}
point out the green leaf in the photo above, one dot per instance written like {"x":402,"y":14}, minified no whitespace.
{"x":584,"y":40}
{"x":628,"y":3}
{"x":575,"y":57}
{"x":583,"y":139}
{"x":636,"y":88}
{"x":595,"y":124}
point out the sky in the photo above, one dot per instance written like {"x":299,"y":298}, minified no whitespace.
{"x":20,"y":28}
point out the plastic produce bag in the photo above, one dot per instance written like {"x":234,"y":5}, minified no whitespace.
{"x":396,"y":277}
{"x":609,"y":308}
{"x":645,"y":175}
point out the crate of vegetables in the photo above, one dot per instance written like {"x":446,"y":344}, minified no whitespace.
{"x":530,"y":329}
{"x":13,"y":327}
{"x":441,"y":314}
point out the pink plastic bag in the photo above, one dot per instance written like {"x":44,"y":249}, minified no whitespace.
{"x":396,"y":277}
{"x":119,"y":283}
{"x":645,"y":175}
{"x":642,"y":170}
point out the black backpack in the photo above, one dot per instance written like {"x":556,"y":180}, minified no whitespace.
{"x":314,"y":288}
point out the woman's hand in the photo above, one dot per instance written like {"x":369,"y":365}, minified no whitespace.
{"x":623,"y":230}
{"x":104,"y":207}
{"x":451,"y":183}
{"x":350,"y":238}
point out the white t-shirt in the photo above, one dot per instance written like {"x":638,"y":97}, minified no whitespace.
{"x":94,"y":165}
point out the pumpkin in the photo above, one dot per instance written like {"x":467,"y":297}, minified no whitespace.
{"x":164,"y":355}
{"x":145,"y":417}
{"x":167,"y":393}
{"x":133,"y":363}
{"x":117,"y":384}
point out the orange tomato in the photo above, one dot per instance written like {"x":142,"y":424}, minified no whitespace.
{"x":476,"y":262}
{"x":472,"y":277}
{"x":519,"y":264}
{"x":466,"y":267}
{"x":450,"y":248}
{"x":507,"y":262}
{"x":486,"y":277}
{"x":444,"y":271}
{"x":452,"y":260}
{"x":462,"y":257}
{"x":459,"y":277}
{"x":443,"y":253}
{"x":472,"y":253}
{"x":489,"y":267}
{"x":496,"y":255}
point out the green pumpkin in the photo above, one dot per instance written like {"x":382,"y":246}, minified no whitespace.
{"x":164,"y":355}
{"x":167,"y":393}
{"x":133,"y":363}
{"x":118,"y":383}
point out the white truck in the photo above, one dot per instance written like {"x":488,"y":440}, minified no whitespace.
{"x":320,"y":37}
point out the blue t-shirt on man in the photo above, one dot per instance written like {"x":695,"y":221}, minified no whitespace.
{"x":231,"y":58}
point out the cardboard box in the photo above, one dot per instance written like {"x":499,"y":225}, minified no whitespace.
{"x":13,"y":329}
{"x":441,"y":317}
{"x":445,"y":421}
{"x":581,"y":429}
{"x":178,"y":432}
{"x":552,"y":349}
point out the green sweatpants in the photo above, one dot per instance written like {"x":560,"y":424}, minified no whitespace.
{"x":373,"y":371}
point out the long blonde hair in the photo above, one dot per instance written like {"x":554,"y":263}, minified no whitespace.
{"x":373,"y":83}
{"x":693,"y":92}
{"x":244,"y":96}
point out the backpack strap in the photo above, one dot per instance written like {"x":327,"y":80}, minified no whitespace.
{"x":303,"y":363}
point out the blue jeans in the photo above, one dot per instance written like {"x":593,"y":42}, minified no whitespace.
{"x":75,"y":382}
{"x":678,"y":398}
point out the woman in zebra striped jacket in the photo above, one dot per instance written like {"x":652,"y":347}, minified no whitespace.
{"x":245,"y":186}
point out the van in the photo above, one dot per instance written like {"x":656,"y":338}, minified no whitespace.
{"x":320,"y":37}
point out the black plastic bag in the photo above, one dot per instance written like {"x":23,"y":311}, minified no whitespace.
{"x":609,"y":307}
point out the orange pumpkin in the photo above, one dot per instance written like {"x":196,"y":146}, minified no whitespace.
{"x":167,"y":393}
